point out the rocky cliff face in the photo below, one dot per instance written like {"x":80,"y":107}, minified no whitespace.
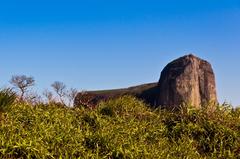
{"x":187,"y":79}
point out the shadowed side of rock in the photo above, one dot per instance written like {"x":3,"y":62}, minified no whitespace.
{"x":145,"y":92}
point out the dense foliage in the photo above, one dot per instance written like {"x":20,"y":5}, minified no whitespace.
{"x":120,"y":128}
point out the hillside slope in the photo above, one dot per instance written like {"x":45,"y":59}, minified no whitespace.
{"x":121,"y":128}
{"x":146,"y":92}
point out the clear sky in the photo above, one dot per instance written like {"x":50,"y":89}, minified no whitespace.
{"x":102,"y":44}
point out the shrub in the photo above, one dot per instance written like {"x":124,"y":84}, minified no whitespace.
{"x":117,"y":129}
{"x":124,"y":107}
{"x":7,"y":98}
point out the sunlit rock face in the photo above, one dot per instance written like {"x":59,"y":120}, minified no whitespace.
{"x":189,"y":80}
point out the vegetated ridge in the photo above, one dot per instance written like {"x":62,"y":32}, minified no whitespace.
{"x":123,"y":127}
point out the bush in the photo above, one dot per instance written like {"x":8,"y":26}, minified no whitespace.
{"x":118,"y":129}
{"x":7,"y":98}
{"x":124,"y":107}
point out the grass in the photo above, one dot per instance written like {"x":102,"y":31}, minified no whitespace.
{"x":122,"y":128}
{"x":7,"y":97}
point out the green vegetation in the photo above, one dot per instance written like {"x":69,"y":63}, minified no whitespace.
{"x":7,"y":98}
{"x":120,"y":128}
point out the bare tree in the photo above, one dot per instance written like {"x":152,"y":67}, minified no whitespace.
{"x":71,"y":94}
{"x":60,"y":89}
{"x":49,"y":95}
{"x":33,"y":98}
{"x":22,"y":82}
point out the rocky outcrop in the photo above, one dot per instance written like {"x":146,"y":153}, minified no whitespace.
{"x":89,"y":100}
{"x":188,"y":79}
{"x":146,"y":92}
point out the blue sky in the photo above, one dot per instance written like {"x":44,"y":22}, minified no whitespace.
{"x":106,"y":44}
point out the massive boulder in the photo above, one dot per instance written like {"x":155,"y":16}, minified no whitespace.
{"x":189,"y":80}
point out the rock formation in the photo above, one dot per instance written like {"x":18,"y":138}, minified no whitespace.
{"x":146,"y":92}
{"x":89,"y":100}
{"x":187,"y":79}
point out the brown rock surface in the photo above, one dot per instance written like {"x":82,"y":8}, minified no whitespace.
{"x":187,"y":79}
